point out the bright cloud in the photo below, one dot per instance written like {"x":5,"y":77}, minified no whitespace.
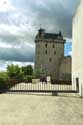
{"x":70,"y":53}
{"x":14,"y":29}
{"x":5,"y":45}
{"x":4,"y":64}
{"x":5,"y":5}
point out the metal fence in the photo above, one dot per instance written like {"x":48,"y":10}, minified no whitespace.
{"x":36,"y":85}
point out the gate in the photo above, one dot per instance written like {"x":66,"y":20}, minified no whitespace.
{"x":56,"y":86}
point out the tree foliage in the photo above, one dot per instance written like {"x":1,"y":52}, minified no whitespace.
{"x":14,"y":71}
{"x":27,"y":70}
{"x":3,"y":80}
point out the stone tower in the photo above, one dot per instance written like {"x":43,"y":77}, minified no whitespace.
{"x":49,"y":52}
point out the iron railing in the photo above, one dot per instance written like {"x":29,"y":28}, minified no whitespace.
{"x":40,"y":85}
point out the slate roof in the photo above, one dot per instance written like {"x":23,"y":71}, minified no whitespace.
{"x":51,"y":36}
{"x":45,"y":35}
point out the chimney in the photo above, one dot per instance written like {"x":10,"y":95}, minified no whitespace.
{"x":41,"y":32}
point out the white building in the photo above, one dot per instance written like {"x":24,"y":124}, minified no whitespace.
{"x":77,"y":54}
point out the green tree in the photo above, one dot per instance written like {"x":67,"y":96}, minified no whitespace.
{"x":3,"y":80}
{"x":27,"y":70}
{"x":14,"y":71}
{"x":37,"y":73}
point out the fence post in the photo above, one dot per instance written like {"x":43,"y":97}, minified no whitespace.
{"x":77,"y":85}
{"x":81,"y":92}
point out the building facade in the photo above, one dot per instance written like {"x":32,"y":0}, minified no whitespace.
{"x":49,"y":54}
{"x":77,"y":54}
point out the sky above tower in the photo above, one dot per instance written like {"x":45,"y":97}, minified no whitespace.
{"x":20,"y":20}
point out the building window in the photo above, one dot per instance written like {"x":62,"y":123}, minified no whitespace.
{"x":46,"y":52}
{"x":50,"y":59}
{"x":46,"y":45}
{"x":54,"y":52}
{"x":53,"y":46}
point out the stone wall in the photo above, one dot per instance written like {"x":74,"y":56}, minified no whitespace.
{"x":65,"y":69}
{"x":49,"y":56}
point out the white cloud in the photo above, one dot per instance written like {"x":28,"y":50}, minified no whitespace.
{"x":68,"y":40}
{"x":3,"y":64}
{"x":70,"y":53}
{"x":5,"y":45}
{"x":5,"y":5}
{"x":13,"y":29}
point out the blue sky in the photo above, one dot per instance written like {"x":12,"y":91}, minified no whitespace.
{"x":68,"y":48}
{"x":19,"y":22}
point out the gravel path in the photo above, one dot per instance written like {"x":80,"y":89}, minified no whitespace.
{"x":40,"y":109}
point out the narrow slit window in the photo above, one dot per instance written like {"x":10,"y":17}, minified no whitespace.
{"x":50,"y":59}
{"x":54,"y":52}
{"x":53,"y":46}
{"x":46,"y":45}
{"x":46,"y":52}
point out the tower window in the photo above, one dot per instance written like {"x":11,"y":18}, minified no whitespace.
{"x":46,"y":45}
{"x":50,"y":59}
{"x":54,"y":52}
{"x":46,"y":52}
{"x":53,"y":46}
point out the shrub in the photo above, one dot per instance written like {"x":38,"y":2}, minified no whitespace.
{"x":15,"y":72}
{"x":12,"y":82}
{"x":25,"y":79}
{"x":34,"y":77}
{"x":37,"y":74}
{"x":3,"y":80}
{"x":28,"y":79}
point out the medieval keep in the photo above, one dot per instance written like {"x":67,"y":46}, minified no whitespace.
{"x":49,"y":55}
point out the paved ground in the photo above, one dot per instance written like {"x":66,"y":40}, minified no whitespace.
{"x":39,"y":109}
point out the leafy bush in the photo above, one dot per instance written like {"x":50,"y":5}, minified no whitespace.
{"x":37,"y":74}
{"x":15,"y":72}
{"x":34,"y":76}
{"x":3,"y":80}
{"x":28,"y":79}
{"x":25,"y":79}
{"x":12,"y":82}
